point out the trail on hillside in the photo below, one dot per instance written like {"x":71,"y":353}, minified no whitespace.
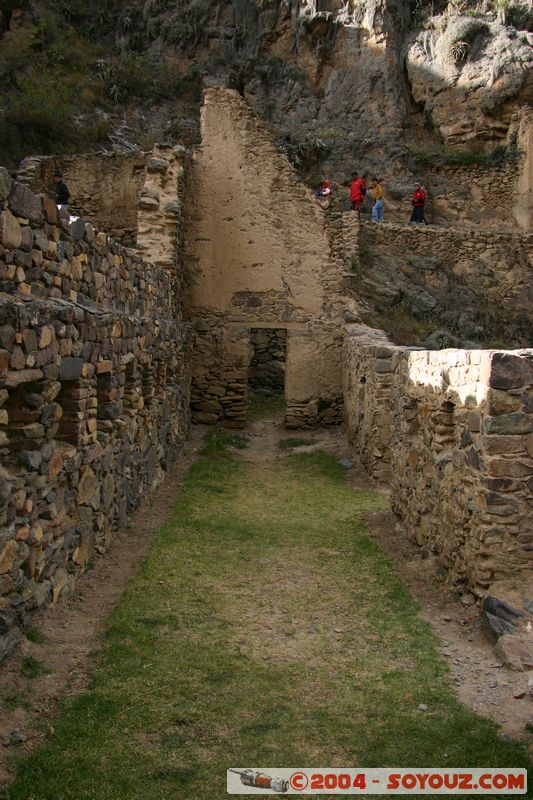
{"x":265,"y":628}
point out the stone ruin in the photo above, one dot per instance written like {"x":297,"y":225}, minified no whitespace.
{"x":239,"y":279}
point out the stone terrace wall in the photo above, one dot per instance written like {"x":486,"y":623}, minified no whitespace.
{"x":475,"y":194}
{"x":478,"y":283}
{"x":94,"y":396}
{"x":104,"y":187}
{"x":453,"y":430}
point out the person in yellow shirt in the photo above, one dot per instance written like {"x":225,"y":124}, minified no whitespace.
{"x":377,"y":197}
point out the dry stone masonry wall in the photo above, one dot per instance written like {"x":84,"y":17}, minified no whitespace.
{"x":104,"y":187}
{"x":478,"y":283}
{"x":94,"y":396}
{"x":453,"y":432}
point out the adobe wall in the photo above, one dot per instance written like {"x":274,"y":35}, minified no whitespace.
{"x":453,"y":432}
{"x":94,"y":396}
{"x":261,"y":253}
{"x":104,"y":187}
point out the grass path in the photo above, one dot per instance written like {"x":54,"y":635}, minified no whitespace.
{"x":264,"y":629}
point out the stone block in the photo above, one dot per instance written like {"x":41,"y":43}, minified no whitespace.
{"x":10,"y":230}
{"x":24,"y":203}
{"x":70,"y":369}
{"x":50,"y":210}
{"x":8,"y":554}
{"x":515,"y":652}
{"x":509,"y":424}
{"x":16,"y":378}
{"x":510,"y":371}
{"x":5,"y":184}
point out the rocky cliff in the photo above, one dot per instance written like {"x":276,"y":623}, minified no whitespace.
{"x":391,"y":86}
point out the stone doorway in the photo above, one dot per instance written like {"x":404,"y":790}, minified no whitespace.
{"x":266,"y":373}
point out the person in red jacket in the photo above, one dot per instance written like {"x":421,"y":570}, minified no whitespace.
{"x":419,"y":203}
{"x":357,"y":193}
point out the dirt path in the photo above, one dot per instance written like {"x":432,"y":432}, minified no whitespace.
{"x":480,"y":680}
{"x":265,"y":627}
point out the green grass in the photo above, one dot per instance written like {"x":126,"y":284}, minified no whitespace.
{"x":261,"y":407}
{"x":217,"y":440}
{"x":265,"y":628}
{"x":291,"y":442}
{"x":31,"y":667}
{"x":35,"y":635}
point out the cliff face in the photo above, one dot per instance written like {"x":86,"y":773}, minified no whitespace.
{"x":337,"y":81}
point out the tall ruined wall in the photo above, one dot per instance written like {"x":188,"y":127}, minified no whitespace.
{"x":104,"y":187}
{"x":260,"y":255}
{"x":475,"y":283}
{"x":94,"y":395}
{"x":453,"y":431}
{"x":161,"y":209}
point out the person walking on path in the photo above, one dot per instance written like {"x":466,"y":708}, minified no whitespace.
{"x":62,"y":192}
{"x":377,"y":198}
{"x":419,"y":203}
{"x":357,"y":193}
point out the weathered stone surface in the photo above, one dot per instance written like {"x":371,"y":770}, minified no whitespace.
{"x":24,"y":203}
{"x":18,"y":377}
{"x":515,"y":652}
{"x":510,"y":372}
{"x":10,"y":230}
{"x":7,"y":556}
{"x":70,"y":369}
{"x":5,"y":184}
{"x":509,"y":424}
{"x":9,"y":642}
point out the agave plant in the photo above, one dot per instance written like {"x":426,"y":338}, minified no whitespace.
{"x":460,"y":51}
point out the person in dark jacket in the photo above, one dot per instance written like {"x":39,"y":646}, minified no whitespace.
{"x":62,"y":192}
{"x":419,"y":203}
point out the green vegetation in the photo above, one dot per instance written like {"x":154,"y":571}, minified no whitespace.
{"x":217,"y":439}
{"x":31,"y":667}
{"x":261,"y":406}
{"x":54,"y":76}
{"x":35,"y":635}
{"x":265,"y":628}
{"x":291,"y":443}
{"x":445,"y":156}
{"x":14,"y":700}
{"x":401,"y":326}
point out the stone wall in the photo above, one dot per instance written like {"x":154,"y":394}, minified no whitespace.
{"x":473,"y":282}
{"x":261,"y":254}
{"x":94,"y":396}
{"x":475,"y":194}
{"x":161,"y":208}
{"x":267,"y":364}
{"x":453,"y":432}
{"x":104,"y":187}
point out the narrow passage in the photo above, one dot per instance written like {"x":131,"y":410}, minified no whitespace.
{"x":264,"y":629}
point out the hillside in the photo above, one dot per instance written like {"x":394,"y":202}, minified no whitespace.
{"x":392,"y":84}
